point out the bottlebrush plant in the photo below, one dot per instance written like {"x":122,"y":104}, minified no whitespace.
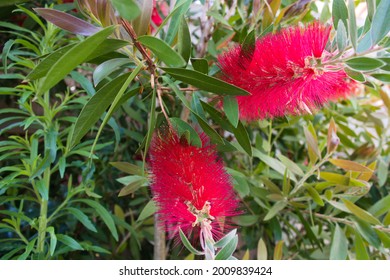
{"x":245,"y":130}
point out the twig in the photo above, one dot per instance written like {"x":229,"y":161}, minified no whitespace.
{"x":129,"y":29}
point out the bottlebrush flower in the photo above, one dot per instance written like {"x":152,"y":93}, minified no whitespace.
{"x":284,"y":73}
{"x":189,"y":185}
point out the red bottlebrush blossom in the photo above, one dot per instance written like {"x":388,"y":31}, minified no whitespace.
{"x":284,"y":73}
{"x":189,"y":185}
{"x":160,"y":6}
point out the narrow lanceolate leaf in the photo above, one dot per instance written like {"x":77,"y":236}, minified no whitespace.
{"x":162,"y":51}
{"x":187,"y":244}
{"x":230,"y":106}
{"x":127,"y":9}
{"x":339,"y":12}
{"x":278,"y":252}
{"x":364,"y":63}
{"x":184,"y":40}
{"x":339,"y":245}
{"x":204,"y":82}
{"x":107,"y":46}
{"x":53,"y":240}
{"x":261,"y":250}
{"x":182,"y":127}
{"x":104,"y":215}
{"x":72,"y":58}
{"x":226,"y":239}
{"x":380,"y":23}
{"x":227,"y":251}
{"x":79,"y":215}
{"x":274,"y":210}
{"x":181,"y":8}
{"x":380,"y":207}
{"x":352,"y":30}
{"x":95,"y":107}
{"x":360,"y":248}
{"x":360,"y":213}
{"x":149,"y":209}
{"x":316,"y":197}
{"x":341,"y":36}
{"x":68,"y":22}
{"x":350,"y":165}
{"x":69,"y":241}
{"x":127,"y":168}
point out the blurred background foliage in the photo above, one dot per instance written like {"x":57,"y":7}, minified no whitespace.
{"x":80,"y":100}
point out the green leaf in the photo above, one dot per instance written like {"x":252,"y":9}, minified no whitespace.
{"x":278,"y":252}
{"x":162,"y":51}
{"x":127,"y":168}
{"x":203,"y":124}
{"x":72,"y":58}
{"x":334,"y":178}
{"x":357,"y":76}
{"x":104,"y":214}
{"x":107,"y":46}
{"x":69,"y":241}
{"x":292,"y":166}
{"x":29,"y":248}
{"x":339,"y":12}
{"x":53,"y":240}
{"x":380,"y":23}
{"x":382,"y":77}
{"x":316,"y":197}
{"x":246,"y":220}
{"x":226,"y":239}
{"x":79,"y":215}
{"x":187,"y":244}
{"x":364,"y":63}
{"x":133,"y":186}
{"x":352,"y":30}
{"x":249,"y":43}
{"x":339,"y":245}
{"x":368,"y":233}
{"x":6,"y":3}
{"x":360,"y":249}
{"x":360,"y":213}
{"x":95,"y":107}
{"x":200,"y":64}
{"x":261,"y":250}
{"x":68,"y":22}
{"x":274,"y":164}
{"x":128,"y":9}
{"x":184,"y":40}
{"x":182,"y":7}
{"x":107,"y":67}
{"x":275,"y":209}
{"x":181,"y":127}
{"x":228,"y":249}
{"x":341,"y":36}
{"x":204,"y":82}
{"x":230,"y":106}
{"x":42,"y":189}
{"x":380,"y":207}
{"x":149,"y":209}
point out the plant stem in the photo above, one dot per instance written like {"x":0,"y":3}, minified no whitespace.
{"x":159,"y":240}
{"x":314,"y":168}
{"x":43,"y":217}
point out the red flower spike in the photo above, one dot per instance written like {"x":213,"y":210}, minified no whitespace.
{"x":284,"y":73}
{"x":189,"y":185}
